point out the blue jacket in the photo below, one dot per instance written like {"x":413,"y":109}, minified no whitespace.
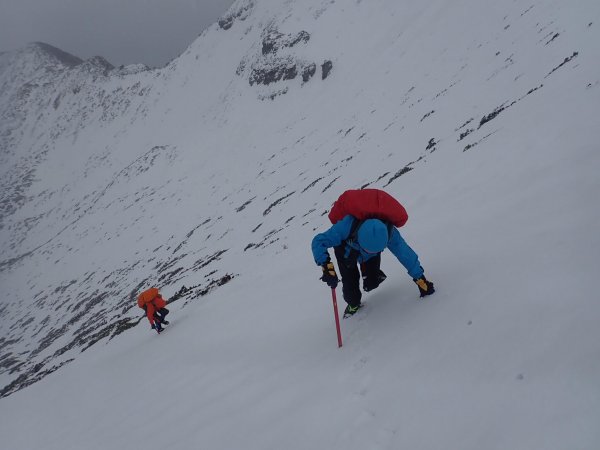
{"x":339,"y":234}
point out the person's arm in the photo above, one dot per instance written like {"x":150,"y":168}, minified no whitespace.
{"x":150,"y":312}
{"x":405,"y":254}
{"x":330,"y":238}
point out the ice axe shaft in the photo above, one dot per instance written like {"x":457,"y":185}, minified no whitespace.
{"x":337,"y":317}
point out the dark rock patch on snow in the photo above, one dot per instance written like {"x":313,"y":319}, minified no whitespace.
{"x":325,"y":69}
{"x":239,"y":13}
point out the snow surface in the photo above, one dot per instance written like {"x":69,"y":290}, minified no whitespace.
{"x":505,"y":220}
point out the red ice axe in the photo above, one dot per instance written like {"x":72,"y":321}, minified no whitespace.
{"x":337,"y":317}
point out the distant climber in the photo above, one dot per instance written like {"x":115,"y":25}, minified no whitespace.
{"x":364,"y":224}
{"x":152,"y":302}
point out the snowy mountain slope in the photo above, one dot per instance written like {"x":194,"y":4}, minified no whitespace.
{"x":480,"y":117}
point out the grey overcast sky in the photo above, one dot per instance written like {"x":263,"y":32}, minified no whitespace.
{"x":151,"y":32}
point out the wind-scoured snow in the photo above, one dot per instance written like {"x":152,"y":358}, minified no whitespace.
{"x":208,"y":179}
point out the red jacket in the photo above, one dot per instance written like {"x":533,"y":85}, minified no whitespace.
{"x":150,"y":300}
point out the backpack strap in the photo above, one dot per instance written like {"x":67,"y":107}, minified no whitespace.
{"x":356,"y":224}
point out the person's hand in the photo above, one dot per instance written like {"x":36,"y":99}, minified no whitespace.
{"x":329,"y":275}
{"x":425,"y":286}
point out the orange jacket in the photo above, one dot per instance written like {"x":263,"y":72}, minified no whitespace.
{"x":150,"y":300}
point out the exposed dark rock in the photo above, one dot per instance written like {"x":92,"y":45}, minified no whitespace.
{"x":240,"y":13}
{"x":311,"y":184}
{"x":273,"y":40}
{"x":491,"y":116}
{"x":226,"y":22}
{"x":276,"y":62}
{"x":27,"y":379}
{"x":203,"y":262}
{"x":275,"y":70}
{"x":465,"y":134}
{"x":427,"y":115}
{"x":527,"y":10}
{"x":470,"y":146}
{"x":269,"y":41}
{"x":123,"y":325}
{"x":214,"y":284}
{"x":330,"y":184}
{"x":276,"y":202}
{"x":199,"y":291}
{"x":302,"y":36}
{"x":242,"y":207}
{"x":308,"y":72}
{"x":399,"y":174}
{"x":566,"y":60}
{"x":326,"y":68}
{"x":553,"y":37}
{"x":465,"y":124}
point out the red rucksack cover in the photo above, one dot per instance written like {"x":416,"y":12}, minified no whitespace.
{"x":368,"y":204}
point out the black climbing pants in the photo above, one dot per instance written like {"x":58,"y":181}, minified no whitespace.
{"x":351,"y":275}
{"x":161,"y":314}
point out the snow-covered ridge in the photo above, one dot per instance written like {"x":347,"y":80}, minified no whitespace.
{"x":114,"y":179}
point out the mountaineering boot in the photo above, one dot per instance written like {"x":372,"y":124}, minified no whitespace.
{"x":425,"y":286}
{"x":351,"y":310}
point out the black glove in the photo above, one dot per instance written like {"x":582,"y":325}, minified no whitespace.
{"x":373,"y":281}
{"x":329,"y":275}
{"x":425,"y":286}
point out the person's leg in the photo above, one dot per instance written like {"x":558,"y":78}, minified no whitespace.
{"x":163,"y":313}
{"x":370,"y":267}
{"x":350,"y":277}
{"x":371,"y":273}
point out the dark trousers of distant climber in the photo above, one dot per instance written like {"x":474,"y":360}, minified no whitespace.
{"x":160,"y":314}
{"x":351,"y":275}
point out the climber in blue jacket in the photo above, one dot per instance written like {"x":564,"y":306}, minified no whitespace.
{"x":360,"y":243}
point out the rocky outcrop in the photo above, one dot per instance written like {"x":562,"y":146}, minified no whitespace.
{"x":239,"y":11}
{"x":278,"y":61}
